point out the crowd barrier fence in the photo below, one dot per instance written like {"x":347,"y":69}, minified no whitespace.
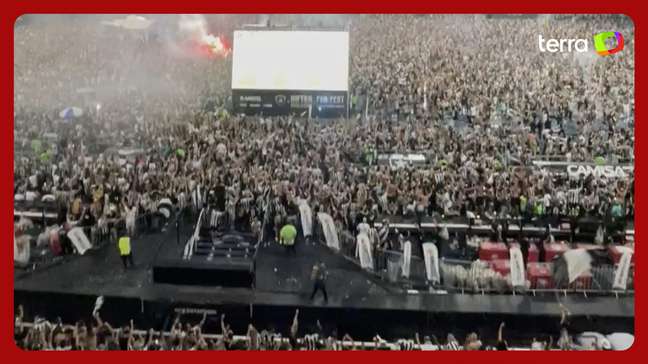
{"x":478,"y":277}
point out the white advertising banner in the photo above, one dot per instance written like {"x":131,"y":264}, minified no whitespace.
{"x":431,"y":256}
{"x":330,"y":232}
{"x":578,"y":261}
{"x":22,"y":249}
{"x":79,"y":240}
{"x":407,"y":259}
{"x":364,"y":250}
{"x":306,"y":216}
{"x":518,"y":276}
{"x":622,"y":272}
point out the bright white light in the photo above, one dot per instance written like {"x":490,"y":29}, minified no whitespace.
{"x":214,"y":43}
{"x":134,"y":22}
{"x":98,"y":106}
{"x":290,"y":60}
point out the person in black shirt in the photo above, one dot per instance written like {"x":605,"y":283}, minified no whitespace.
{"x":318,"y":275}
{"x":565,"y":341}
{"x":87,"y":222}
{"x":228,"y":334}
{"x":20,"y":331}
{"x":61,"y":216}
{"x":125,"y":336}
{"x":524,"y":246}
{"x":66,"y":243}
{"x":219,"y":195}
{"x":316,"y":226}
{"x":154,"y":342}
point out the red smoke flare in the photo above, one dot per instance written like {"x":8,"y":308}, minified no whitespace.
{"x":209,"y":45}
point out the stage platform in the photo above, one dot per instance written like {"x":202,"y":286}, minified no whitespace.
{"x":218,"y":259}
{"x":357,"y":299}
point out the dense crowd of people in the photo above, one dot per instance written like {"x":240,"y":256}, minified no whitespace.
{"x":408,"y":71}
{"x":98,"y":334}
{"x":471,"y":93}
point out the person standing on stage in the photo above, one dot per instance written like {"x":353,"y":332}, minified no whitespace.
{"x":287,"y":237}
{"x":124,"y":246}
{"x":319,"y":275}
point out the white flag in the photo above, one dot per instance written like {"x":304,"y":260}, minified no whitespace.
{"x":306,"y":217}
{"x":431,"y":256}
{"x":364,"y":250}
{"x":622,"y":271}
{"x":189,"y":247}
{"x":79,"y":240}
{"x":517,"y":267}
{"x":578,"y":261}
{"x":407,"y":258}
{"x":425,"y":105}
{"x":330,"y":232}
{"x":98,"y":303}
{"x":22,"y":249}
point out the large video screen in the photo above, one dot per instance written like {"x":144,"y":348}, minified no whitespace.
{"x":291,"y":60}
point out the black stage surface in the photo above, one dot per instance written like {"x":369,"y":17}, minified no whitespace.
{"x":358,"y":302}
{"x":225,"y":260}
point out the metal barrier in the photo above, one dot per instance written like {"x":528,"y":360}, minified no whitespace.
{"x":464,"y":276}
{"x":389,"y":265}
{"x":100,"y":236}
{"x":347,"y":244}
{"x":479,"y":277}
{"x":476,"y":276}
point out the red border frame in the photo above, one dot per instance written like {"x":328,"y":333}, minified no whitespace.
{"x":12,"y":9}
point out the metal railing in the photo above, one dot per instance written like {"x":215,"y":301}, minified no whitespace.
{"x":470,"y":277}
{"x":479,"y":276}
{"x":98,"y":236}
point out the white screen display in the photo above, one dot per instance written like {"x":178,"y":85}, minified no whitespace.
{"x":290,"y":60}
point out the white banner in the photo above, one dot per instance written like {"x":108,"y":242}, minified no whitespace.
{"x":518,"y":277}
{"x":98,"y":304}
{"x":622,"y":271}
{"x":431,"y":257}
{"x":397,"y":160}
{"x":330,"y":232}
{"x":598,"y":171}
{"x":306,"y":218}
{"x":189,"y":247}
{"x":22,"y":249}
{"x":79,"y":240}
{"x":407,"y":258}
{"x":364,"y":249}
{"x":575,"y":170}
{"x":578,"y":261}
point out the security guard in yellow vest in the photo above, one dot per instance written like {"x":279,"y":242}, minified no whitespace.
{"x":124,"y":246}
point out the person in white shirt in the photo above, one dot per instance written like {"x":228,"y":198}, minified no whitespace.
{"x":131,"y":218}
{"x":363,"y":227}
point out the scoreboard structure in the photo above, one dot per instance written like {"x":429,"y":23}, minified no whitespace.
{"x":281,"y":72}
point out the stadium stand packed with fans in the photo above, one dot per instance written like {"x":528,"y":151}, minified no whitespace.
{"x":162,"y":140}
